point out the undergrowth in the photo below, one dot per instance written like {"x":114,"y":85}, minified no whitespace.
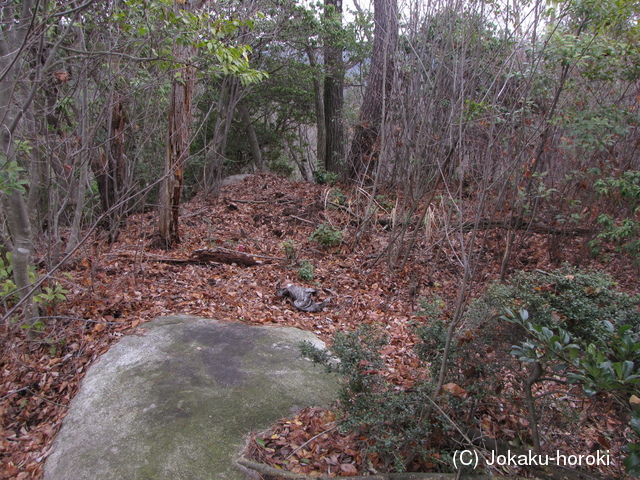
{"x":580,"y":313}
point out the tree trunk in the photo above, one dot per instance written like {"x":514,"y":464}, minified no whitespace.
{"x":20,"y":81}
{"x":251,"y":136}
{"x":19,"y":225}
{"x":178,"y":144}
{"x":110,"y":171}
{"x":364,"y":147}
{"x":230,"y":95}
{"x":333,"y":92}
{"x":82,"y":159}
{"x":321,"y":136}
{"x":13,"y":34}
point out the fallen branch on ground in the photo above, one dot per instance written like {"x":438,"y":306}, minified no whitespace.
{"x":303,"y":220}
{"x":285,"y":475}
{"x":203,"y":257}
{"x":277,"y":200}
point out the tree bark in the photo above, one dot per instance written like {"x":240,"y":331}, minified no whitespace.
{"x":251,"y":136}
{"x":364,"y":147}
{"x":230,"y":95}
{"x":21,"y":241}
{"x":110,"y":170}
{"x":333,"y":91}
{"x":13,"y":37}
{"x":83,"y":157}
{"x":178,"y":144}
{"x":321,"y":137}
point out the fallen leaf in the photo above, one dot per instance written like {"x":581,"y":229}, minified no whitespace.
{"x":455,"y":390}
{"x":349,"y":468}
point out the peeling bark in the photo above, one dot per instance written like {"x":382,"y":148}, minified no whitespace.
{"x":178,"y":144}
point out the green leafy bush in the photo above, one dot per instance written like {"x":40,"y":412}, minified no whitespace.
{"x":394,"y":422}
{"x":337,"y":196}
{"x":326,"y":235}
{"x":433,"y":333}
{"x":623,"y":192}
{"x":306,"y":270}
{"x":289,"y":247}
{"x":49,"y":296}
{"x":384,"y":202}
{"x":7,"y":286}
{"x":632,"y":461}
{"x":281,"y":166}
{"x":10,"y":178}
{"x":612,"y":365}
{"x":574,"y":300}
{"x":322,"y":177}
{"x":52,"y":295}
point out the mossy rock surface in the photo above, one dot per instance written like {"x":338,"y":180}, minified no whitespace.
{"x":177,"y":401}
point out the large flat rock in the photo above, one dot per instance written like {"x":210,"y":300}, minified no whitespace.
{"x":177,"y":401}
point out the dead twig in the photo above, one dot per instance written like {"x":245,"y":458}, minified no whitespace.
{"x":285,"y":475}
{"x":303,"y":220}
{"x":311,"y":440}
{"x":27,"y":389}
{"x":268,"y":257}
{"x":279,"y":200}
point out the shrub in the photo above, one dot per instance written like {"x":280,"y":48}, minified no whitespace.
{"x":326,"y":235}
{"x":7,"y":287}
{"x":321,"y":176}
{"x":281,"y":166}
{"x":306,"y":270}
{"x":577,"y":301}
{"x":394,"y":422}
{"x":624,"y":193}
{"x":611,"y":366}
{"x":337,"y":196}
{"x":433,"y":333}
{"x":289,"y":247}
{"x":384,"y":202}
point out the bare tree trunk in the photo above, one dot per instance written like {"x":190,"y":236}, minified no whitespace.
{"x":251,"y":136}
{"x":178,"y":143}
{"x":13,"y":37}
{"x":110,"y":170}
{"x":230,"y":95}
{"x":333,"y":93}
{"x":17,"y":217}
{"x":321,"y":138}
{"x":364,"y":148}
{"x":83,"y":157}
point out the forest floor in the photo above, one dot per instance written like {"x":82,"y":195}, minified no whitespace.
{"x":114,"y":289}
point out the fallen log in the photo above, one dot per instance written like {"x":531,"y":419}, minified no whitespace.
{"x":523,"y":224}
{"x":201,"y":257}
{"x":286,"y":475}
{"x":513,"y":224}
{"x":208,"y":256}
